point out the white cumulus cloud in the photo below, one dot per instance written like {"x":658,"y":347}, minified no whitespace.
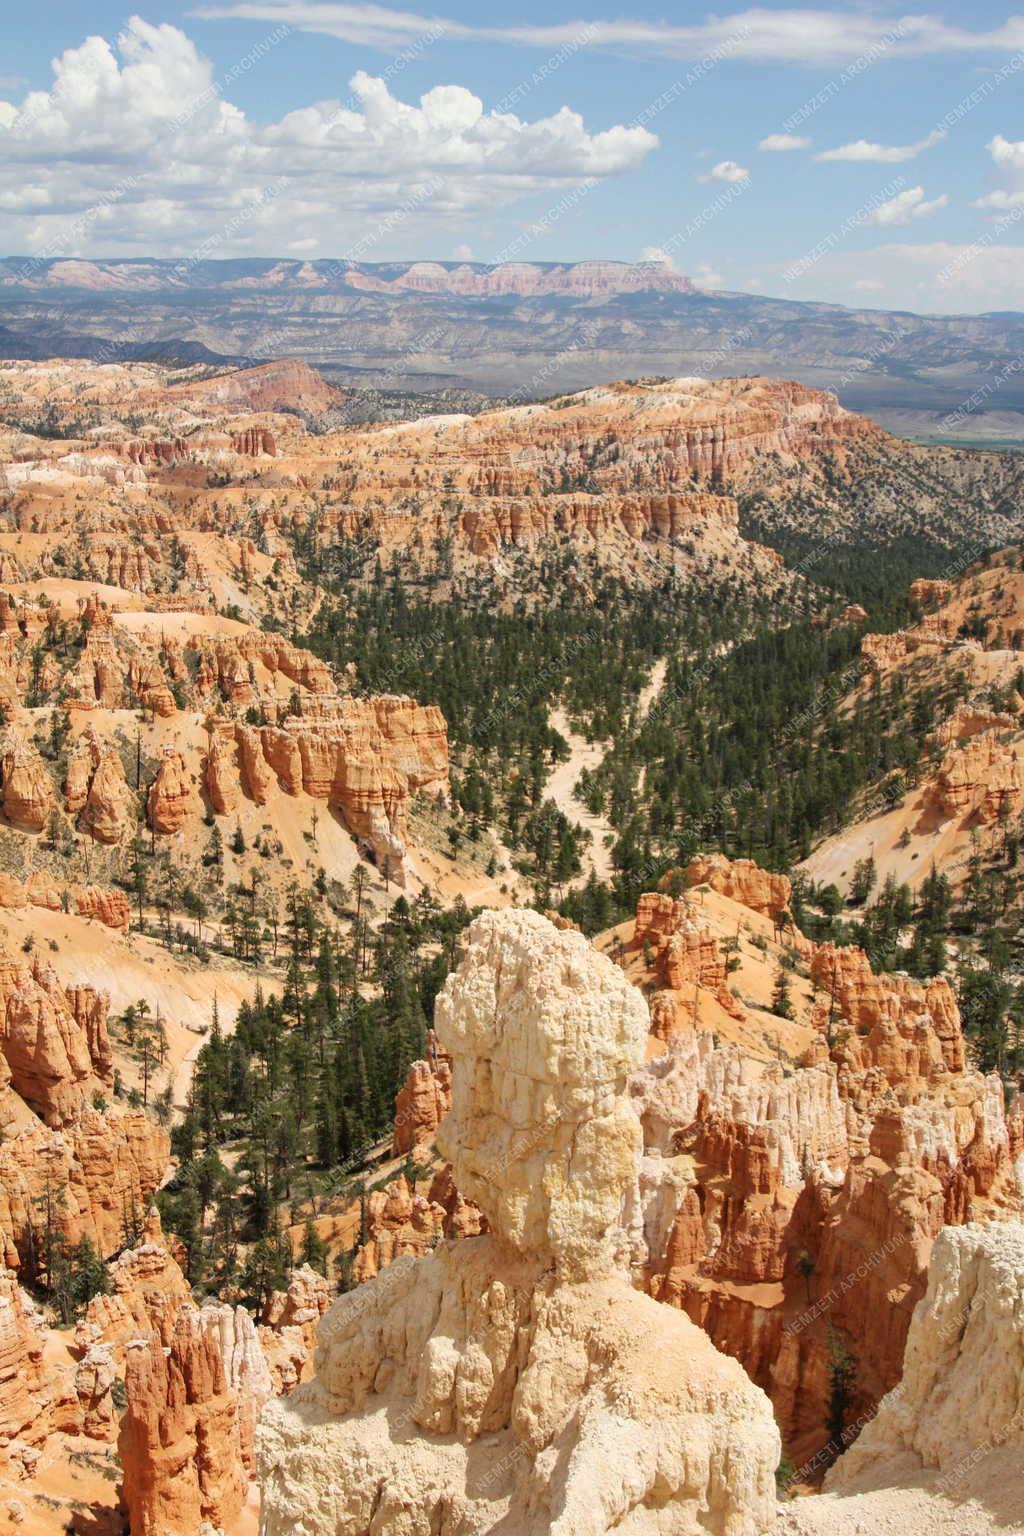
{"x":780,"y":143}
{"x":905,"y":207}
{"x":706,"y":276}
{"x":134,"y":146}
{"x":882,"y":154}
{"x":726,"y":170}
{"x":659,"y":254}
{"x":1008,"y":158}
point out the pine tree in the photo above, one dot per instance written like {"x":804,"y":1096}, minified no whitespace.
{"x":314,"y":1249}
{"x":842,"y":1377}
{"x":782,"y":1003}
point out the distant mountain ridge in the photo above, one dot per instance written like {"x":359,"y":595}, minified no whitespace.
{"x":580,"y":279}
{"x":520,"y":330}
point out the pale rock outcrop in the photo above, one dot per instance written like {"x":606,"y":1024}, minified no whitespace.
{"x":28,"y":796}
{"x":94,"y":1384}
{"x":172,"y":797}
{"x":959,"y":1400}
{"x":972,"y":719}
{"x":245,"y":1368}
{"x":524,"y":1382}
{"x":89,"y":1009}
{"x":743,"y":881}
{"x":148,"y":1290}
{"x":42,"y":890}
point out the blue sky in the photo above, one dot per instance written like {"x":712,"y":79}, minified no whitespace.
{"x":840,"y":153}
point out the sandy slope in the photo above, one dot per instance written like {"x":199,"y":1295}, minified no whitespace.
{"x":129,"y":968}
{"x":913,"y":1501}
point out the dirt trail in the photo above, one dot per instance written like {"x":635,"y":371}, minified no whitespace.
{"x":653,"y":687}
{"x":559,"y":788}
{"x":589,"y":754}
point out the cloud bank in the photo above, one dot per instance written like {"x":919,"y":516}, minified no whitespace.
{"x":789,"y":36}
{"x":134,"y":147}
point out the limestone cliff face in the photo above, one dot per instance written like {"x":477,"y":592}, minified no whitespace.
{"x":423,"y":1100}
{"x":958,"y":1401}
{"x":107,"y":1163}
{"x":47,"y":1050}
{"x":489,"y":524}
{"x":179,"y":1441}
{"x":365,"y":757}
{"x":36,"y":1397}
{"x":743,"y":881}
{"x":579,"y":279}
{"x":853,"y":1163}
{"x":615,"y":469}
{"x":526,"y":1383}
{"x":28,"y":796}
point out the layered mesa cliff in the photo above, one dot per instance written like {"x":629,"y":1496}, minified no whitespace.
{"x":516,"y":1379}
{"x":637,"y":476}
{"x":212,"y":496}
{"x":233,"y":717}
{"x":523,"y":279}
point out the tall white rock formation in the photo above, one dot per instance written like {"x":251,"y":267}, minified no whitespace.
{"x":515,"y":1382}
